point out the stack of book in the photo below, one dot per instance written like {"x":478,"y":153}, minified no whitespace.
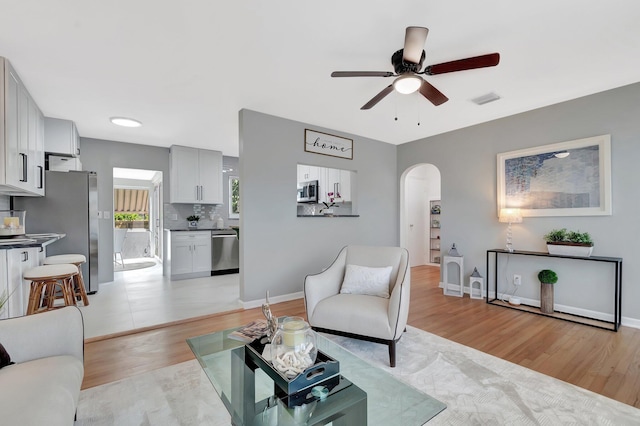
{"x":250,"y":332}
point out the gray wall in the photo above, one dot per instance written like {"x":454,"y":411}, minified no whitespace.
{"x":467,"y":160}
{"x":277,"y":249}
{"x":102,"y":156}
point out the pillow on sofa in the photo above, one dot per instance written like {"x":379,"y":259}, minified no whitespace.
{"x":366,"y":280}
{"x":5,"y":359}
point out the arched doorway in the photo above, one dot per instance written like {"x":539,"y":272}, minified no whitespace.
{"x":419,"y":191}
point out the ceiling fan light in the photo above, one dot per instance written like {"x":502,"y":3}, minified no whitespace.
{"x":406,"y":84}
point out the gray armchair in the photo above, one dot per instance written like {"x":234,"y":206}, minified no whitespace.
{"x":361,"y":316}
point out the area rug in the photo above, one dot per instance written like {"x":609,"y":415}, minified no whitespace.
{"x":132,"y":265}
{"x":478,"y":389}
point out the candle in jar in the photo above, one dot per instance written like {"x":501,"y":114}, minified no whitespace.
{"x":292,"y":333}
{"x":11,"y":222}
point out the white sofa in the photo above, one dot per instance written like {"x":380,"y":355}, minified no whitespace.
{"x":43,"y":386}
{"x":372,"y":318}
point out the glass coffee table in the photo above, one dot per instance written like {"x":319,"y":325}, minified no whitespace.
{"x":361,"y":395}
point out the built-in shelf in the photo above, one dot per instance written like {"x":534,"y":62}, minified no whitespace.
{"x":617,"y":288}
{"x":434,"y":231}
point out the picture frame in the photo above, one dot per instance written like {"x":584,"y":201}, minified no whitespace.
{"x":326,"y":144}
{"x":570,"y":178}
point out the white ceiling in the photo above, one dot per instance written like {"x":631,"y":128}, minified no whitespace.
{"x":185,"y":69}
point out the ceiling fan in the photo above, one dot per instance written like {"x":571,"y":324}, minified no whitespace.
{"x":407,"y":63}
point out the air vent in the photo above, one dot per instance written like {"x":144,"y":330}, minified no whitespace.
{"x":485,"y":99}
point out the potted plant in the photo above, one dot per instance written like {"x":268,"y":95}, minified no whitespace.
{"x":328,"y":210}
{"x":193,"y":221}
{"x":569,"y":243}
{"x":547,"y":279}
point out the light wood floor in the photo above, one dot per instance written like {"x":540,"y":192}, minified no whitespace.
{"x":602,"y":361}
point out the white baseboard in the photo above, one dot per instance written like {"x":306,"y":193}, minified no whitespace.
{"x":631,"y":322}
{"x":602,"y":316}
{"x":626,"y":321}
{"x":272,"y":299}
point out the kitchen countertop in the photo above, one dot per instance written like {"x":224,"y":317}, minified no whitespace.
{"x":29,"y":240}
{"x":333,"y":215}
{"x":199,"y":229}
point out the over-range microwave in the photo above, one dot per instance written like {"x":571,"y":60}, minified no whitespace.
{"x":308,"y":191}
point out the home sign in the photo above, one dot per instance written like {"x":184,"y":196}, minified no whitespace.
{"x":326,"y":144}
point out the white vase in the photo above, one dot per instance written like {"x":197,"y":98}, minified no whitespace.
{"x":327,"y":212}
{"x":569,"y":250}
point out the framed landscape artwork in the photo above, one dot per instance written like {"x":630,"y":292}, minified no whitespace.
{"x":564,"y":179}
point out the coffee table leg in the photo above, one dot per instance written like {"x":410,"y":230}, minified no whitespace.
{"x":243,"y":389}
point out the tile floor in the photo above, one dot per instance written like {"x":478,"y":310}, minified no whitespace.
{"x":144,"y":297}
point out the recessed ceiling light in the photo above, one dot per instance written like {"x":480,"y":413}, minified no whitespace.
{"x":125,"y":122}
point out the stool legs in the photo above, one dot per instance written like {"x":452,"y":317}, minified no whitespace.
{"x":79,"y":290}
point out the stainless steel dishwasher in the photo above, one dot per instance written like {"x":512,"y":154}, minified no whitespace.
{"x":225,"y":252}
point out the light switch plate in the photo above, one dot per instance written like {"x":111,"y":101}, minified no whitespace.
{"x":107,"y":214}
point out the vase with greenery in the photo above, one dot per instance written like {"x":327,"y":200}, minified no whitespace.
{"x":193,"y":221}
{"x":569,"y":243}
{"x":547,"y":279}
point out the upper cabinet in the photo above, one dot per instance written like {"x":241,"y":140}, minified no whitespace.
{"x":61,"y":137}
{"x":196,"y":175}
{"x":21,"y":139}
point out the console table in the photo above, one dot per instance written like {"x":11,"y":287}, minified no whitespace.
{"x":617,"y":284}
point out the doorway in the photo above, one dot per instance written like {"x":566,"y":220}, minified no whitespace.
{"x":137,"y":197}
{"x":420,"y":191}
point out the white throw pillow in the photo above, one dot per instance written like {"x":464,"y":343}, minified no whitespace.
{"x":366,"y":280}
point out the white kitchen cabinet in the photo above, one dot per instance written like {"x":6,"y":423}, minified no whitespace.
{"x":17,"y":261}
{"x":61,"y":137}
{"x":190,"y":255}
{"x":36,"y":147}
{"x":22,"y":171}
{"x":196,"y":175}
{"x":4,"y":286}
{"x":306,"y":172}
{"x":336,"y":180}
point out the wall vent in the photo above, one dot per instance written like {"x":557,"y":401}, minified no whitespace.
{"x":485,"y":99}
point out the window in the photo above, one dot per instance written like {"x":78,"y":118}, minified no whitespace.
{"x":234,"y":197}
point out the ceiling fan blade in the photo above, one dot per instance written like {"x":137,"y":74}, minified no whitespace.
{"x":434,"y":96}
{"x":377,"y":98}
{"x":483,"y":61}
{"x":414,"y":39}
{"x":361,"y":74}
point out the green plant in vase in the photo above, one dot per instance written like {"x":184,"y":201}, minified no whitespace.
{"x":193,"y":221}
{"x":547,"y":279}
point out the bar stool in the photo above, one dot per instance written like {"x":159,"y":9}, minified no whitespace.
{"x":79,"y":291}
{"x":46,"y":280}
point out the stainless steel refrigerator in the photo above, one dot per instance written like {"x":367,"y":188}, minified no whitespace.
{"x":70,"y":206}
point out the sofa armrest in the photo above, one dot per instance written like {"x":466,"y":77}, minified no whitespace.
{"x":324,"y":284}
{"x":52,"y":333}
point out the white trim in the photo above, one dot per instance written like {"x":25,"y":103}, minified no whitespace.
{"x":272,"y":299}
{"x":631,"y":322}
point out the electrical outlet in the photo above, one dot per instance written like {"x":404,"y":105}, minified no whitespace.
{"x":517,"y":279}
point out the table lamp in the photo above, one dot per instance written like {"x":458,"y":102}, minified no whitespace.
{"x":510,"y":216}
